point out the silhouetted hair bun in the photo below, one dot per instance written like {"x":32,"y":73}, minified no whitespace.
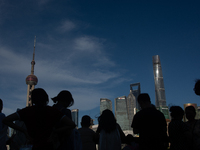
{"x":64,"y":96}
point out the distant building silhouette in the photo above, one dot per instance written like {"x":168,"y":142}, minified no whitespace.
{"x":198,"y":112}
{"x":159,"y":83}
{"x":132,"y":103}
{"x":121,"y":112}
{"x":31,"y":80}
{"x":165,"y":111}
{"x":105,"y":104}
{"x":75,"y":116}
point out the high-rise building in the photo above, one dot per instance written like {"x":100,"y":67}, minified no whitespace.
{"x":135,"y":89}
{"x":165,"y":111}
{"x":132,"y":103}
{"x":159,"y":83}
{"x":121,"y":113}
{"x":75,"y":116}
{"x":31,"y":80}
{"x":105,"y":104}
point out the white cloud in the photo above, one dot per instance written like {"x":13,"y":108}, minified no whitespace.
{"x":83,"y":69}
{"x":104,"y":61}
{"x":89,"y":44}
{"x":12,"y":62}
{"x":67,"y":26}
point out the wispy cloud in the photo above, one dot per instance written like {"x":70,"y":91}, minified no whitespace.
{"x":89,"y":44}
{"x":67,"y":26}
{"x":56,"y":74}
{"x":43,"y":2}
{"x":12,"y":62}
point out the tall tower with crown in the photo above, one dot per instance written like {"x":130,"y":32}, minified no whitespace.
{"x":31,"y":80}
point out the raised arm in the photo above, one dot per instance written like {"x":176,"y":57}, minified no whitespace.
{"x":9,"y":122}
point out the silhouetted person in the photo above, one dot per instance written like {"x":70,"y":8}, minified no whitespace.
{"x":71,"y":141}
{"x":131,"y":143}
{"x":64,"y":100}
{"x":40,"y":121}
{"x":87,"y":134}
{"x":197,"y":87}
{"x":111,"y":134}
{"x":178,"y":131}
{"x":194,"y":126}
{"x":150,"y":124}
{"x":3,"y":129}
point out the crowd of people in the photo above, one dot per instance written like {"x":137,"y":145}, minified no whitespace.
{"x":52,"y":128}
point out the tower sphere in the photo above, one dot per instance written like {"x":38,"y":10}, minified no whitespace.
{"x":31,"y":79}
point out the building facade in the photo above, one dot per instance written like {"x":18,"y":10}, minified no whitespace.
{"x":75,"y":116}
{"x":105,"y":104}
{"x":132,"y":103}
{"x":160,"y":100}
{"x":165,"y":111}
{"x":31,"y":80}
{"x":121,"y":113}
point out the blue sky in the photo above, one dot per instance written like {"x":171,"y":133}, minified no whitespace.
{"x":96,"y":49}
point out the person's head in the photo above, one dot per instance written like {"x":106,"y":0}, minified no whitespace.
{"x":190,"y":113}
{"x":176,"y":112}
{"x":1,"y":105}
{"x":144,"y":100}
{"x":39,"y":97}
{"x":129,"y":139}
{"x":197,"y":87}
{"x":86,"y":121}
{"x":65,"y":98}
{"x":107,"y":121}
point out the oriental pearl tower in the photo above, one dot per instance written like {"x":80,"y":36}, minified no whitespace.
{"x":31,"y":80}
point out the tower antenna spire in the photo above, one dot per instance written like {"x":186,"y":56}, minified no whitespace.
{"x":31,"y":80}
{"x":34,"y":48}
{"x":33,"y":61}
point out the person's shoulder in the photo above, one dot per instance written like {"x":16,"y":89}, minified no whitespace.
{"x":117,"y":125}
{"x":67,"y":110}
{"x":198,"y":121}
{"x":2,"y":115}
{"x":84,"y":128}
{"x":87,"y":131}
{"x":52,"y":109}
{"x":26,"y":109}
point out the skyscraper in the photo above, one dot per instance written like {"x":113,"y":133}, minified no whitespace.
{"x":121,"y":113}
{"x":75,"y":116}
{"x":135,"y":89}
{"x":132,"y":103}
{"x":31,"y":80}
{"x":105,"y":104}
{"x":159,"y":83}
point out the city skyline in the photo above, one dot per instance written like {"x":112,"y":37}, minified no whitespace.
{"x":96,"y":49}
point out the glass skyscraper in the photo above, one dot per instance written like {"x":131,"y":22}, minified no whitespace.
{"x":132,"y":103}
{"x":75,"y":116}
{"x":159,"y":83}
{"x":121,"y":113}
{"x":105,"y":104}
